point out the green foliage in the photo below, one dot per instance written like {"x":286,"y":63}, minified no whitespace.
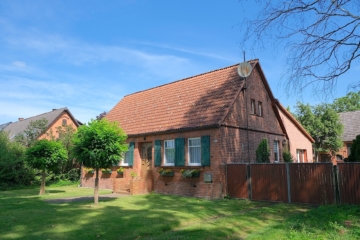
{"x":351,"y":102}
{"x":323,"y":124}
{"x":263,"y":152}
{"x":13,"y":170}
{"x":287,"y":157}
{"x":46,"y":155}
{"x":32,"y":132}
{"x":100,"y":144}
{"x":65,"y":137}
{"x":355,"y":150}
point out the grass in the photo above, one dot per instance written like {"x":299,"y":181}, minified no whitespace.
{"x":25,"y":215}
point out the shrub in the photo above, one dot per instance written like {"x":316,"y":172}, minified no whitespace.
{"x":263,"y":152}
{"x":287,"y":155}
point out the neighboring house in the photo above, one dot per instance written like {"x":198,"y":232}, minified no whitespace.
{"x":202,"y":122}
{"x":351,"y":123}
{"x":300,"y":141}
{"x":55,"y":118}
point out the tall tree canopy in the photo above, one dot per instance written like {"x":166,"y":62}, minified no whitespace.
{"x":351,"y":102}
{"x":99,"y":145}
{"x":323,"y":124}
{"x":32,"y":132}
{"x":321,"y":38}
{"x":46,"y":155}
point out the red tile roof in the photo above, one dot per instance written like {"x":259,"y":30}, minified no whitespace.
{"x":195,"y":102}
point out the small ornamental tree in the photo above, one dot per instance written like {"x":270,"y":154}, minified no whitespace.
{"x":287,"y":155}
{"x":45,"y":155}
{"x":99,"y":145}
{"x":263,"y":152}
{"x":355,"y":150}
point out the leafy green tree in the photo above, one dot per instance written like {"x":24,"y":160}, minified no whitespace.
{"x":99,"y":145}
{"x":355,"y":150}
{"x":45,"y":155}
{"x":263,"y":152}
{"x":351,"y":102}
{"x":13,"y":170}
{"x":323,"y":124}
{"x":32,"y":132}
{"x":65,"y":136}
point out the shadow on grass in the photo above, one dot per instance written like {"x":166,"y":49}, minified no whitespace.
{"x":156,"y":216}
{"x":54,"y":191}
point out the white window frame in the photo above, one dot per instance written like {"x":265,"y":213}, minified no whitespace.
{"x":188,"y":153}
{"x":276,"y":151}
{"x":122,"y":161}
{"x":253,"y":110}
{"x":165,"y":161}
{"x":260,"y":108}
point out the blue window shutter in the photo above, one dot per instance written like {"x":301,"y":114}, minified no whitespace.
{"x":157,"y":153}
{"x":205,"y":150}
{"x":131,"y":153}
{"x":179,"y":151}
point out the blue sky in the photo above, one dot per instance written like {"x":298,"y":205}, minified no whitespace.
{"x":86,"y":55}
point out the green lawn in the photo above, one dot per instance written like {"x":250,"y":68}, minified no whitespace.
{"x":25,"y":215}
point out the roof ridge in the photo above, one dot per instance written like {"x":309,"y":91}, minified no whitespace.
{"x":183,"y":79}
{"x":41,"y":114}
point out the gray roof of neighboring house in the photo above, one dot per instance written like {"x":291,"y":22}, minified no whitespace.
{"x":2,"y":126}
{"x":351,"y":122}
{"x":18,"y":127}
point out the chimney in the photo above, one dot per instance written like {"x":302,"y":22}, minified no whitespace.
{"x":20,"y":119}
{"x":54,"y":109}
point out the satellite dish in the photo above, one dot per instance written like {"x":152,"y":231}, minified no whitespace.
{"x":244,"y":69}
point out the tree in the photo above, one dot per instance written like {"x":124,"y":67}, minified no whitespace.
{"x":45,"y":155}
{"x":99,"y":145}
{"x":321,"y":38}
{"x":32,"y":132}
{"x":13,"y":171}
{"x":65,"y":136}
{"x":355,"y":150}
{"x":351,"y":102}
{"x":263,"y":152}
{"x":101,"y":115}
{"x":324,"y":126}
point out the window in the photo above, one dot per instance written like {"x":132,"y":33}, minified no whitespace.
{"x":253,"y":106}
{"x":348,"y":147}
{"x":301,"y":155}
{"x":194,"y":151}
{"x":260,"y":108}
{"x":64,"y":122}
{"x":125,"y":159}
{"x":169,"y":153}
{"x":276,"y":151}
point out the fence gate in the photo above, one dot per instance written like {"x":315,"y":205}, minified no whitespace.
{"x":237,"y":184}
{"x":269,"y":182}
{"x":349,"y":182}
{"x":312,"y":183}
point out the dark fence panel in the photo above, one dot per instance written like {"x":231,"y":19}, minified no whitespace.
{"x":349,"y":182}
{"x":312,"y":183}
{"x":269,"y":182}
{"x":237,"y":180}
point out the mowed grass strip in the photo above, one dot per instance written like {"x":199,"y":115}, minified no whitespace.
{"x":25,"y":215}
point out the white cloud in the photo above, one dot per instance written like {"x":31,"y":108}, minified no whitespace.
{"x":19,"y":64}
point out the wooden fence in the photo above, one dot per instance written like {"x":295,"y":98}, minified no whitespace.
{"x":316,"y":183}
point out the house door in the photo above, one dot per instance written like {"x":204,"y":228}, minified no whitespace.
{"x":146,"y":156}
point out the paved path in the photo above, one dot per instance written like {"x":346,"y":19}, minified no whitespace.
{"x":79,"y":199}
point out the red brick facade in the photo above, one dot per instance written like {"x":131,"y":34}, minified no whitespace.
{"x":221,"y":109}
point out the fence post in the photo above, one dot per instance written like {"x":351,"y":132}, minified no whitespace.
{"x":288,"y":181}
{"x":336,"y":184}
{"x":248,"y":174}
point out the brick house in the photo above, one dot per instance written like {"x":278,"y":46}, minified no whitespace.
{"x":351,"y":123}
{"x":202,"y":122}
{"x":55,"y":119}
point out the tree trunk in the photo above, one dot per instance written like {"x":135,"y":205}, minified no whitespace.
{"x":96,"y":189}
{"x":42,"y":186}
